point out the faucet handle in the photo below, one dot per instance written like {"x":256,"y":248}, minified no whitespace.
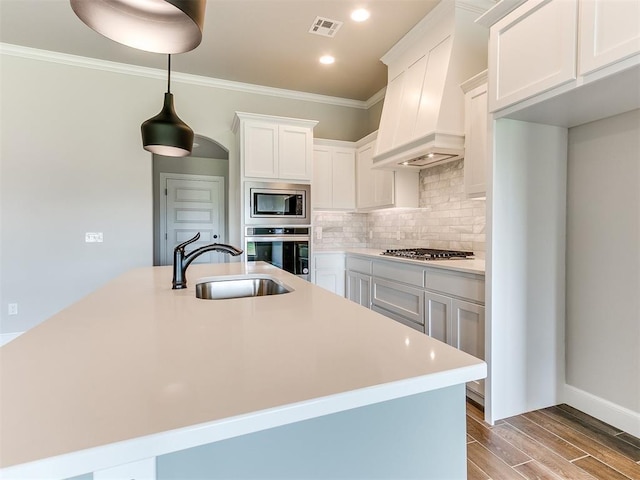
{"x":191,"y":240}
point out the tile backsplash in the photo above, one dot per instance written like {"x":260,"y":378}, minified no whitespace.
{"x":340,"y":230}
{"x":446,"y":219}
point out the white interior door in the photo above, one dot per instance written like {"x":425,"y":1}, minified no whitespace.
{"x":192,"y":204}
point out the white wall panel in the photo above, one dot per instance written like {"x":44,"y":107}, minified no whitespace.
{"x":525,"y":349}
{"x":603,"y":259}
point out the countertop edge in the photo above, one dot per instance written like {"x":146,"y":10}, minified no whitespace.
{"x":97,"y":458}
{"x":461,"y":265}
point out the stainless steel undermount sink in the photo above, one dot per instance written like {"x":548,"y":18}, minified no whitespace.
{"x":219,"y":288}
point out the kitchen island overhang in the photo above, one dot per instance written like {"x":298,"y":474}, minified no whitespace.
{"x":136,"y":370}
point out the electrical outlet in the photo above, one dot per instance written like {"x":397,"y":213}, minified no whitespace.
{"x":13,"y":309}
{"x":319,"y":233}
{"x":398,"y":235}
{"x":93,"y":237}
{"x":370,"y":234}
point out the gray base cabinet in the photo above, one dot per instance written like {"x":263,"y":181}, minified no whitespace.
{"x":359,"y":280}
{"x":438,"y":317}
{"x":403,"y":300}
{"x":468,"y":334}
{"x":359,"y":288}
{"x":444,"y":304}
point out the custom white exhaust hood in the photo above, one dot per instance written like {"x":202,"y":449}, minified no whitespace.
{"x":422,"y":121}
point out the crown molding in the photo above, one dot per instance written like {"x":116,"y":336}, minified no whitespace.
{"x":126,"y":69}
{"x":376,"y":97}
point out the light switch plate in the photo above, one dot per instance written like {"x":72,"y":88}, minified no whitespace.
{"x":93,"y":237}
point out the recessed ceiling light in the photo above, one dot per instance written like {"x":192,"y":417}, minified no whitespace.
{"x":327,"y":59}
{"x":359,"y":15}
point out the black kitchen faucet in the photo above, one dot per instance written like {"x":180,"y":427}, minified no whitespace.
{"x":181,"y":260}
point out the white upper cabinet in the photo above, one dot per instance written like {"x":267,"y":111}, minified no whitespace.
{"x":609,"y":32}
{"x":476,"y":153}
{"x":551,"y":48}
{"x":531,"y":50}
{"x":295,"y":152}
{"x":276,"y":148}
{"x":377,"y":188}
{"x":374,"y":187}
{"x":260,"y":149}
{"x":334,"y":175}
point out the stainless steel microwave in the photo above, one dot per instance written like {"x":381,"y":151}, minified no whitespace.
{"x":277,"y":203}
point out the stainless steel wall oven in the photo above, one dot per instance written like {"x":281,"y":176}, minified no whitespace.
{"x":285,"y":247}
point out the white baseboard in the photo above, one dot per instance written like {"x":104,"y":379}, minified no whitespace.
{"x":604,"y":410}
{"x":7,"y":337}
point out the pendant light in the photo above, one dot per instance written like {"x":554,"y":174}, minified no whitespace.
{"x":160,"y":26}
{"x":165,"y":134}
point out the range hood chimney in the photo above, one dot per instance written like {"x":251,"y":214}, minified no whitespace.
{"x":422,"y":121}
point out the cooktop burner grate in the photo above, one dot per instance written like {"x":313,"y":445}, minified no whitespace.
{"x":427,"y":253}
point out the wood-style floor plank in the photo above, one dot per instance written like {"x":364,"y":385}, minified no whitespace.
{"x":552,"y":461}
{"x":589,"y":420}
{"x":534,"y":471}
{"x":475,"y":412}
{"x":629,"y":439}
{"x":545,"y":437}
{"x":489,"y":463}
{"x":494,"y":443}
{"x":588,"y":429}
{"x":556,"y":443}
{"x":599,"y":469}
{"x":475,"y":473}
{"x":603,"y":453}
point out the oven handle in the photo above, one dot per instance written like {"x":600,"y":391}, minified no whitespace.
{"x":281,"y":238}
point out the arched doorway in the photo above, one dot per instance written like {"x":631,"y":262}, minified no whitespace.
{"x":190,"y":180}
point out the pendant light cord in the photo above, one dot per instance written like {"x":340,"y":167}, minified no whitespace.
{"x":169,"y":74}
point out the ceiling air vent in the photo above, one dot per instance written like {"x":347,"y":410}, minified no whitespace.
{"x":325,"y":27}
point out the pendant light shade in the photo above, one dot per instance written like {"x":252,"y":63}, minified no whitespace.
{"x":165,"y":134}
{"x":160,"y":26}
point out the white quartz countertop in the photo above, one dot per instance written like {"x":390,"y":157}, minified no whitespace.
{"x":136,"y":370}
{"x":474,"y":265}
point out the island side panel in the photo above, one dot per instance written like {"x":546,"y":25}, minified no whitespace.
{"x":420,"y":436}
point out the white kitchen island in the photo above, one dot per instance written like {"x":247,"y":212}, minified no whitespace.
{"x":300,"y":385}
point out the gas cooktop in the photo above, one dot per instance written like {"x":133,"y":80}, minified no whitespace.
{"x":427,"y":254}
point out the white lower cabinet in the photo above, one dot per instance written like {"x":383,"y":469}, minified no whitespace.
{"x":329,"y":272}
{"x":332,"y":280}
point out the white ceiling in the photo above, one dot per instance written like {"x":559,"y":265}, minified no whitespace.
{"x":262,"y":42}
